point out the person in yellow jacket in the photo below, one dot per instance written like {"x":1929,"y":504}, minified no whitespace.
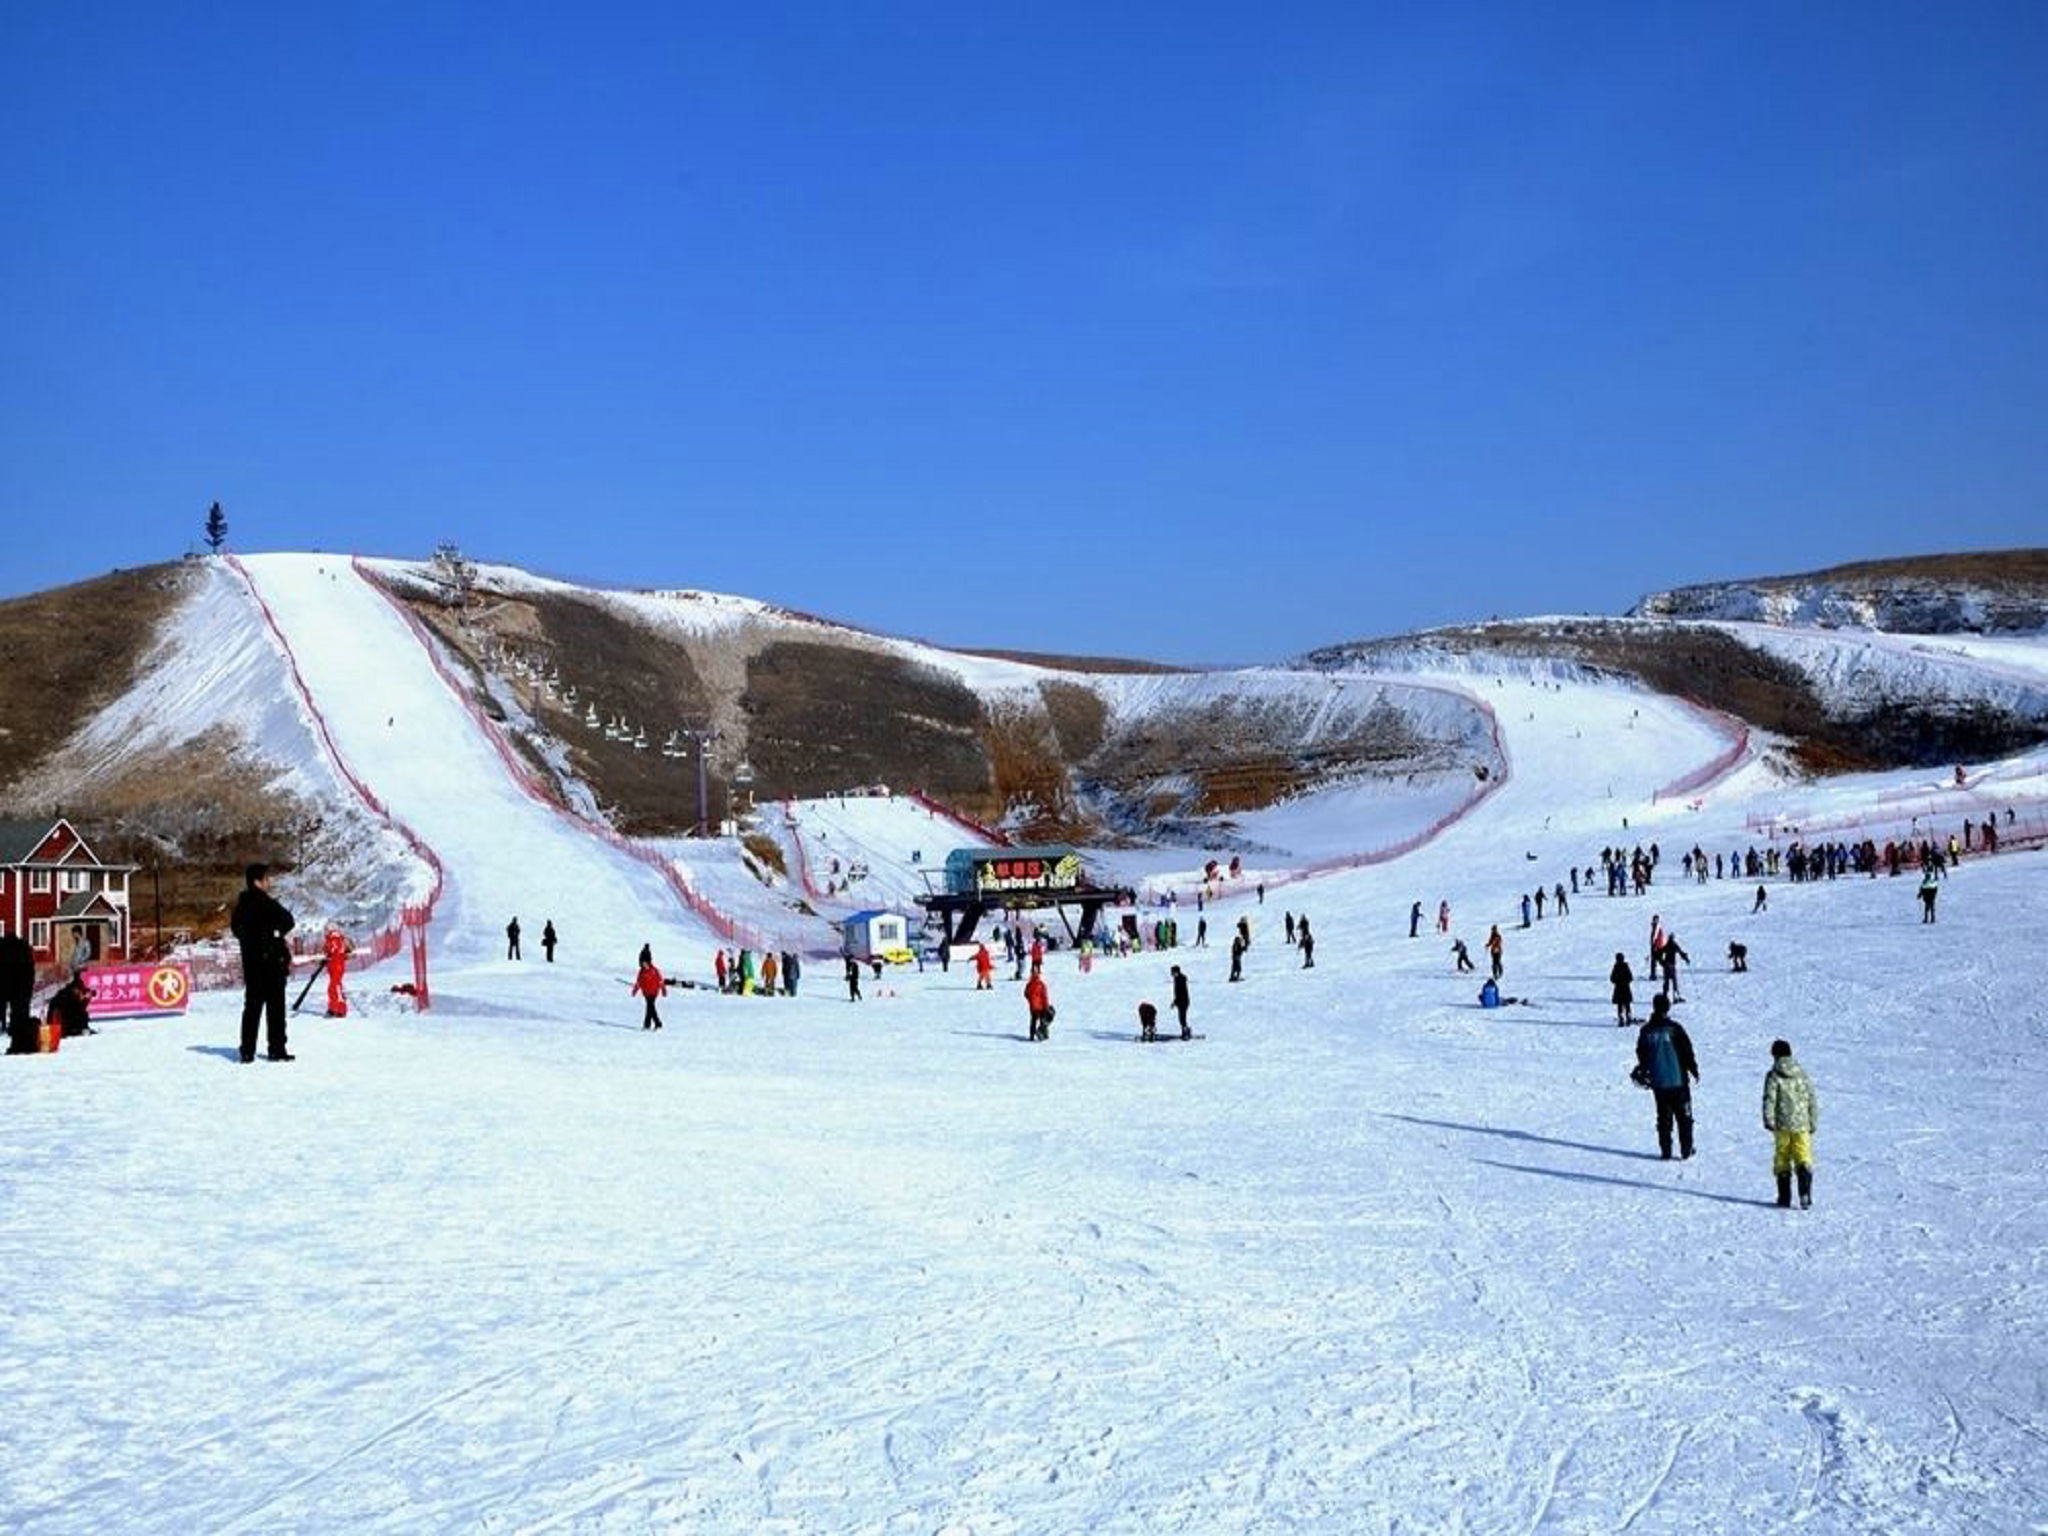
{"x":1791,"y":1115}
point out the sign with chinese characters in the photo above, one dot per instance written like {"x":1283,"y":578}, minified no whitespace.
{"x":1028,"y":873}
{"x":138,"y":991}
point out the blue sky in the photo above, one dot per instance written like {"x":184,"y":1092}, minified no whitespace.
{"x":1200,"y":332}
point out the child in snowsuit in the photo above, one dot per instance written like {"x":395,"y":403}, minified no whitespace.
{"x":650,"y":985}
{"x":1738,"y":957}
{"x":1791,"y":1115}
{"x":1493,"y":948}
{"x":984,"y":969}
{"x":1462,"y":955}
{"x":337,"y":949}
{"x":1148,"y":1022}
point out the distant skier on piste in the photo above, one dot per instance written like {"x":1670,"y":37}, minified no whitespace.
{"x":1180,"y":1002}
{"x":547,"y":940}
{"x":512,"y":939}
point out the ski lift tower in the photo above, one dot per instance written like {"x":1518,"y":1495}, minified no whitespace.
{"x":678,"y":745}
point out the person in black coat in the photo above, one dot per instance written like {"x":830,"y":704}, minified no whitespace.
{"x":1306,"y":942}
{"x":1180,"y":1001}
{"x":259,"y":924}
{"x":1237,"y":958}
{"x":547,"y":940}
{"x":512,"y":939}
{"x":852,"y":979}
{"x":17,"y":993}
{"x":71,"y":1008}
{"x":1624,"y":981}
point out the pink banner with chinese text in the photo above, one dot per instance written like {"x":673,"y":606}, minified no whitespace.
{"x":138,"y":991}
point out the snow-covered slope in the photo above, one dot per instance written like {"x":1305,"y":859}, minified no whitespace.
{"x":1363,"y":1258}
{"x":405,"y":732}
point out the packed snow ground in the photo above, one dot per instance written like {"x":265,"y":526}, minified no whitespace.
{"x":1365,"y":1257}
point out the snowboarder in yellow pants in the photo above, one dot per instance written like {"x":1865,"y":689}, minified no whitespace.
{"x":1791,"y":1115}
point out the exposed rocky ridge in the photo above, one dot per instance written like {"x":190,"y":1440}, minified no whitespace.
{"x":1838,"y":710}
{"x":813,"y":708}
{"x":1997,"y":592}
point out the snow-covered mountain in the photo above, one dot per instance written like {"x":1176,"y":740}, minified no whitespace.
{"x":2003,"y":592}
{"x":278,"y":700}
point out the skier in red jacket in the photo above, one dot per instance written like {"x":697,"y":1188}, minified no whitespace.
{"x":650,"y":985}
{"x":1039,"y":1001}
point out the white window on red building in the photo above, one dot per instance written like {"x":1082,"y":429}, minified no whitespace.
{"x":39,"y":934}
{"x":39,"y":880}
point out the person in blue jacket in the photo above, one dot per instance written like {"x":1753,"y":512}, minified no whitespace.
{"x":1665,"y":1061}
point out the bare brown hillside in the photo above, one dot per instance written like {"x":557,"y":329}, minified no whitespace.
{"x":68,"y":652}
{"x":1985,"y":567}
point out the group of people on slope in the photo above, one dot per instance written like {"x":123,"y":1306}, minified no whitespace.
{"x":1667,"y":1065}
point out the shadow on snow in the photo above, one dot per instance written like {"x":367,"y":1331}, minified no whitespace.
{"x":1601,"y":1178}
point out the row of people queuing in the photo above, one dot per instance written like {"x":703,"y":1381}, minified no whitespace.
{"x":739,"y":973}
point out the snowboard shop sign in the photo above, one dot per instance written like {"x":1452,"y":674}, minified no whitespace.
{"x":139,"y":991}
{"x":1028,"y":873}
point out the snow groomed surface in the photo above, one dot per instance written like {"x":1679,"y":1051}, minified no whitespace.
{"x":507,"y":854}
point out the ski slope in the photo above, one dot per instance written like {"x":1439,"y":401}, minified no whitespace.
{"x":896,"y":840}
{"x":1364,"y":1258}
{"x":404,"y":732}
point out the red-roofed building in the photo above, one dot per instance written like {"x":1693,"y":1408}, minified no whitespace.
{"x":58,"y":894}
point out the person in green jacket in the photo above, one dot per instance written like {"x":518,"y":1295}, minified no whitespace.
{"x":1791,"y":1115}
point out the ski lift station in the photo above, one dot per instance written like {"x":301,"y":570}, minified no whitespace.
{"x":876,"y":935}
